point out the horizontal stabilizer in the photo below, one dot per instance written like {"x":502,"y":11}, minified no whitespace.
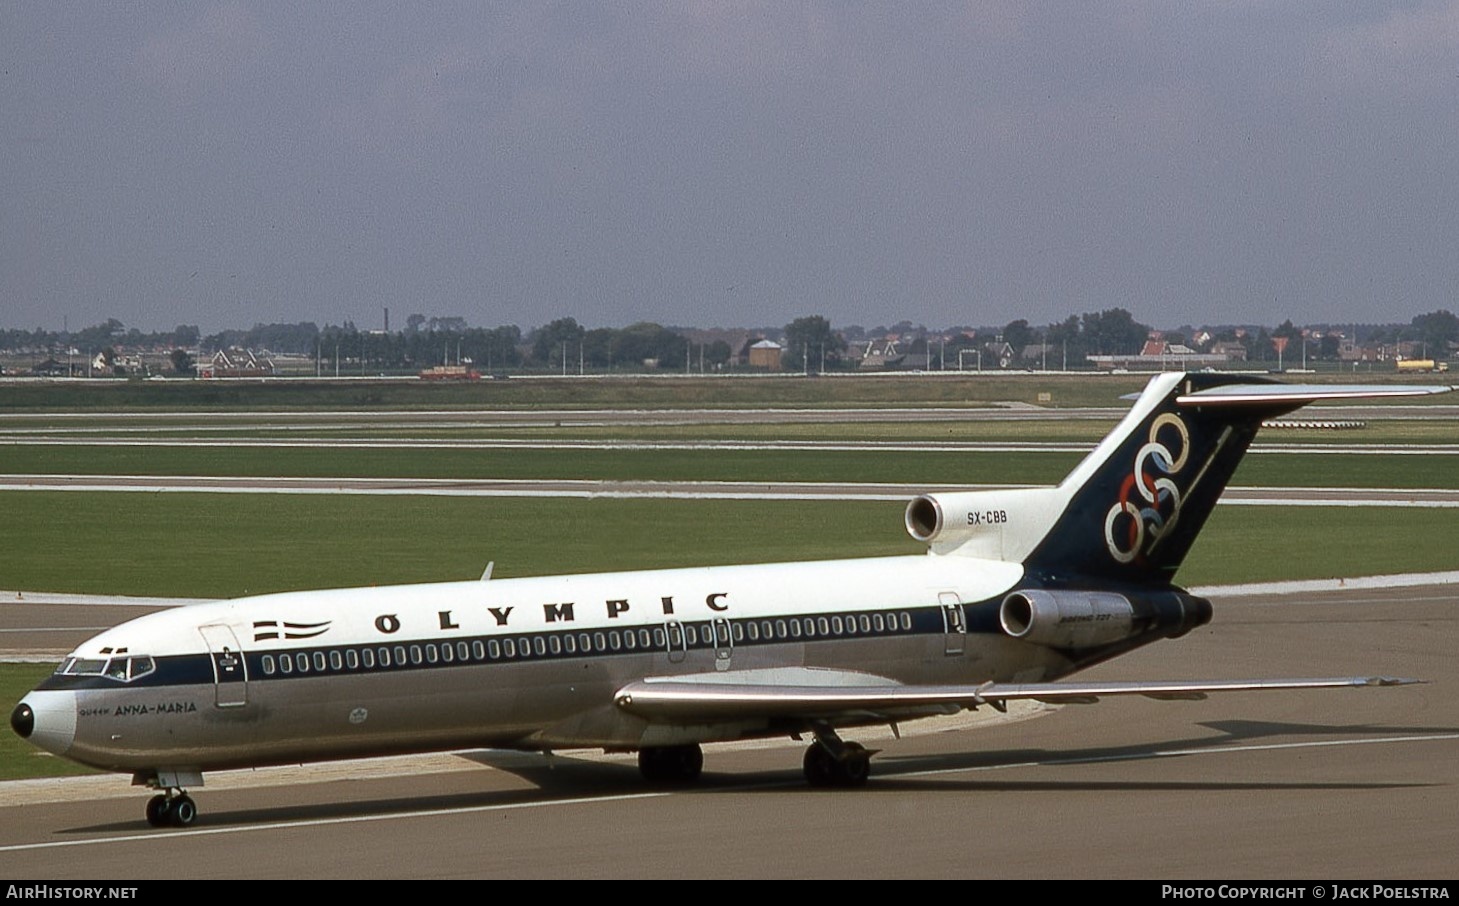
{"x":694,"y":698}
{"x":1298,"y":394}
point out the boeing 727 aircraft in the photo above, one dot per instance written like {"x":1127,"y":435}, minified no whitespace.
{"x":1018,"y":588}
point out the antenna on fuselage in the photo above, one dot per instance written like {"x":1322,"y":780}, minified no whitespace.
{"x":489,"y":567}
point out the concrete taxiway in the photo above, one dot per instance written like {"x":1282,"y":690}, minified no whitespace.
{"x":1314,"y":785}
{"x":686,"y":490}
{"x":351,"y":419}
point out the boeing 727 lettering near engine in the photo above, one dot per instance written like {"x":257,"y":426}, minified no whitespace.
{"x":1018,"y":589}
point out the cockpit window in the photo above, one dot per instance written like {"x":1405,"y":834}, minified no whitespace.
{"x":124,"y":669}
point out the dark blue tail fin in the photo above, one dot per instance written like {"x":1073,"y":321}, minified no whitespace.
{"x":1139,"y":500}
{"x":1131,"y":510}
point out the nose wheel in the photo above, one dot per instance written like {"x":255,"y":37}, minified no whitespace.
{"x":171,"y":810}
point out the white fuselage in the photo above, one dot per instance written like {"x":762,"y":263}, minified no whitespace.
{"x":529,"y":663}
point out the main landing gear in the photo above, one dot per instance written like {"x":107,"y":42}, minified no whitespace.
{"x":671,"y":764}
{"x":171,"y":809}
{"x":831,"y":762}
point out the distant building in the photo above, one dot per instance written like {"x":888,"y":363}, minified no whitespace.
{"x":1158,"y":355}
{"x":999,"y":353}
{"x":1350,"y":351}
{"x":883,"y":352}
{"x":1040,"y":353}
{"x":243,"y":363}
{"x":1231,"y":350}
{"x":766,"y":354}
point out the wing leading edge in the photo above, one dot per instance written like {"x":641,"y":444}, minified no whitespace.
{"x":830,"y":695}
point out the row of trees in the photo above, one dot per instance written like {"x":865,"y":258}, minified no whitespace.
{"x":110,"y":332}
{"x":811,"y":343}
{"x":569,"y":345}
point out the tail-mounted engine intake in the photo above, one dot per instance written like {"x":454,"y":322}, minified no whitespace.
{"x":1088,"y":619}
{"x":995,"y":524}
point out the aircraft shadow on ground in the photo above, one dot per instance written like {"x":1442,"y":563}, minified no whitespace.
{"x":560,"y":777}
{"x":1235,"y":734}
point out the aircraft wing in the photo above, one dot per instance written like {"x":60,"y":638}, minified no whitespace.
{"x":809,"y":694}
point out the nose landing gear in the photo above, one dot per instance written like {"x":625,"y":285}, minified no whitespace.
{"x":172,"y":806}
{"x":167,"y":809}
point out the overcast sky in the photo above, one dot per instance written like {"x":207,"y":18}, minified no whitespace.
{"x":726,"y":163}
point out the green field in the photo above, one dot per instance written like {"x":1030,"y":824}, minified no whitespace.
{"x":1076,"y":389}
{"x":838,"y":391}
{"x":214,"y":545}
{"x":1069,"y":429}
{"x":849,"y":466}
{"x":218,"y":545}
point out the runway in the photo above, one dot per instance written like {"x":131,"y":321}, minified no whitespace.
{"x":355,"y":419}
{"x":1313,"y":785}
{"x":682,"y":490}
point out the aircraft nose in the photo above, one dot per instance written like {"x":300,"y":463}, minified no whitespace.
{"x":48,"y":719}
{"x":22,"y":720}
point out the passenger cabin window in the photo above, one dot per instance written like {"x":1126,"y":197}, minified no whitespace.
{"x":719,"y":633}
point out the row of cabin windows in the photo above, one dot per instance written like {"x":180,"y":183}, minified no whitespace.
{"x":603,"y":641}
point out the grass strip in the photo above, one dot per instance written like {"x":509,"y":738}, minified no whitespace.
{"x":1380,"y":470}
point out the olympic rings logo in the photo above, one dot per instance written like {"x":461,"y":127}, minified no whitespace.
{"x":1149,"y":500}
